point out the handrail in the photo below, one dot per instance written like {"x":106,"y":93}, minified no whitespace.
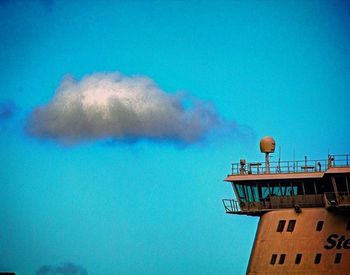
{"x":231,"y":205}
{"x":278,"y":202}
{"x":295,"y":166}
{"x":333,"y":199}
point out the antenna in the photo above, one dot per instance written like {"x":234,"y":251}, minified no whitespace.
{"x":279,"y":159}
{"x":279,"y":152}
{"x":267,"y":146}
{"x":293,"y":160}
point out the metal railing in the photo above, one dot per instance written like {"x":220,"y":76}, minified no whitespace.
{"x":296,"y":166}
{"x":274,"y":202}
{"x":336,"y":199}
{"x":231,"y":205}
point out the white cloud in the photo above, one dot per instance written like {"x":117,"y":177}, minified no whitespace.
{"x":112,"y":106}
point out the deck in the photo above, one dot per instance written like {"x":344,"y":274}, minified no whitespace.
{"x":291,"y":167}
{"x":329,"y":200}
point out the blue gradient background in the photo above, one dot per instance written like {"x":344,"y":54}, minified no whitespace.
{"x":280,"y":67}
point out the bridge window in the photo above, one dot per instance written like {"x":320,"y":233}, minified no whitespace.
{"x":318,"y":258}
{"x":298,"y":188}
{"x":282,"y":258}
{"x":337,"y":258}
{"x":319,"y":225}
{"x":281,"y":225}
{"x":265,"y":192}
{"x":252,"y":191}
{"x":298,"y":258}
{"x":324,"y":185}
{"x":241,"y":192}
{"x":273,"y":259}
{"x":286,"y":189}
{"x":275,"y":189}
{"x":247,"y":192}
{"x":291,"y":225}
{"x":309,"y":187}
{"x":255,"y":192}
{"x":341,"y":184}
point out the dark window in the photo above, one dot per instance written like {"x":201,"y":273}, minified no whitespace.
{"x":298,"y":258}
{"x":318,"y":258}
{"x":291,"y":225}
{"x":273,"y":259}
{"x":319,"y":225}
{"x":337,"y":258}
{"x":341,"y":183}
{"x":282,"y":258}
{"x":280,"y":226}
{"x":309,"y":187}
{"x":348,"y":226}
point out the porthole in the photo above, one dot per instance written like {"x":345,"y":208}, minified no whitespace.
{"x":282,"y":258}
{"x":337,"y":258}
{"x":273,"y":259}
{"x":291,"y":225}
{"x":281,"y":225}
{"x":319,"y":225}
{"x":298,"y":258}
{"x":318,"y":258}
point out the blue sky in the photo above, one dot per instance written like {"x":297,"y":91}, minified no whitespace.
{"x":153,"y":205}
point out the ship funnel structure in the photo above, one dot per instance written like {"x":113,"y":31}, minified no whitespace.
{"x":267,"y":146}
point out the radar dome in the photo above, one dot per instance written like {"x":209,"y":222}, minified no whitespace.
{"x":267,"y":145}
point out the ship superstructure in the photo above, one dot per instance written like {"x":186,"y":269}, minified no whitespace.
{"x":304,"y":210}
